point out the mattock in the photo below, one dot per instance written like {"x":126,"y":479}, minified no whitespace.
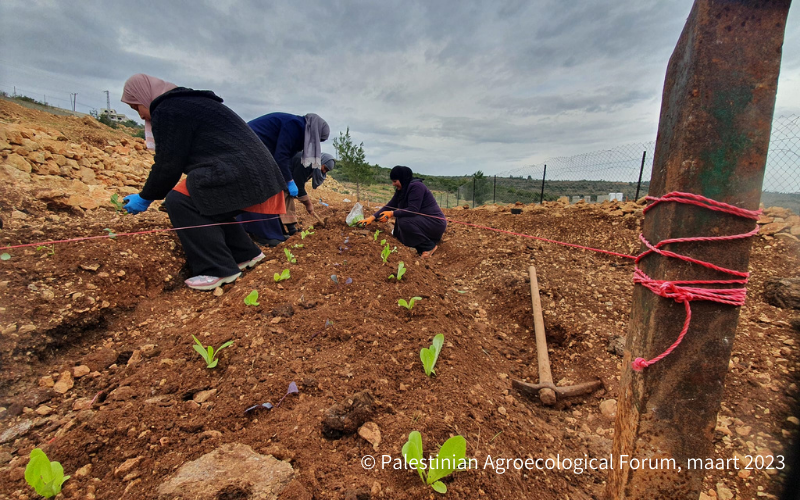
{"x":547,"y":390}
{"x":321,"y":222}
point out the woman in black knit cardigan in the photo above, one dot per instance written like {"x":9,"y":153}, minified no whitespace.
{"x":228,"y":169}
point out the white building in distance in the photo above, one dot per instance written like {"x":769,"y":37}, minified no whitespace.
{"x":113,"y":115}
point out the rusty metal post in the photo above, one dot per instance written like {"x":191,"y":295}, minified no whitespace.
{"x":713,"y":135}
{"x":641,"y":170}
{"x":541,"y":196}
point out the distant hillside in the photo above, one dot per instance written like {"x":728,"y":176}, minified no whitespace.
{"x":29,"y":103}
{"x":510,"y":190}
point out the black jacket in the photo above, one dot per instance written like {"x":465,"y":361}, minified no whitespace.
{"x":228,"y":167}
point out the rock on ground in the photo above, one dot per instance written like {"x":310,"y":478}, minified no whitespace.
{"x":347,"y":416}
{"x":231,"y":471}
{"x":783,"y":292}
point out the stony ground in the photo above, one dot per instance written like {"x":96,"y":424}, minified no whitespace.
{"x":99,"y":371}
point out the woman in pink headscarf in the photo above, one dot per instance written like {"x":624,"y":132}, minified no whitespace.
{"x":139,"y":92}
{"x":228,"y":170}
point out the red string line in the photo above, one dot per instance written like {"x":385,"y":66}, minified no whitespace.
{"x":522,"y":235}
{"x":114,"y":235}
{"x":676,"y":290}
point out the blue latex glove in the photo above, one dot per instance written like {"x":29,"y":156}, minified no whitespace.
{"x":292,"y":188}
{"x":135,"y":204}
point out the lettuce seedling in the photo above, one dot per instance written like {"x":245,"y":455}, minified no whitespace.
{"x":283,"y":276}
{"x":308,"y":232}
{"x":356,"y":220}
{"x":208,"y":353}
{"x":298,"y":245}
{"x":289,"y":256}
{"x":252,"y":298}
{"x":5,"y":256}
{"x":385,"y":253}
{"x":375,"y":235}
{"x":111,"y":233}
{"x":401,"y":270}
{"x":451,"y":457}
{"x":410,"y":304}
{"x":52,"y":249}
{"x":118,"y":205}
{"x":431,"y":354}
{"x":383,"y":242}
{"x":44,"y":476}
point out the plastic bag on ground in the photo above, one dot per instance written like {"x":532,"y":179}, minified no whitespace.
{"x":355,"y":215}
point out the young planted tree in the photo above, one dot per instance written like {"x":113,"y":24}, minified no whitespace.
{"x":351,"y":160}
{"x":481,"y":186}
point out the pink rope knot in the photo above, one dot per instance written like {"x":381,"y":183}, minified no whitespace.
{"x":682,"y":294}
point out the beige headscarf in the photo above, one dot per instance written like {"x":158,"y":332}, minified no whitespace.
{"x":142,"y":89}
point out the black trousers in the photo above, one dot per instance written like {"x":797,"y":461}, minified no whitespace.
{"x":210,"y":251}
{"x":425,"y":246}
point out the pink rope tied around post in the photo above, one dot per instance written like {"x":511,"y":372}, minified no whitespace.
{"x":676,"y":290}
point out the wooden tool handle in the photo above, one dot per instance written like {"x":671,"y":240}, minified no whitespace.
{"x":547,"y":396}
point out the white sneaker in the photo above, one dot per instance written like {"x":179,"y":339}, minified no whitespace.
{"x":252,"y":262}
{"x":209,"y":282}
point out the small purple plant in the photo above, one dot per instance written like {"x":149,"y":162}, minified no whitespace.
{"x":292,"y":390}
{"x":327,"y":324}
{"x":268,"y":406}
{"x":335,"y":279}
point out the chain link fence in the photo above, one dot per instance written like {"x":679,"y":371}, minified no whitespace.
{"x":623,"y":173}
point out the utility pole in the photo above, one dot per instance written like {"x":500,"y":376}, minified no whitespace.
{"x":73,"y":97}
{"x":108,"y":100}
{"x":713,"y":135}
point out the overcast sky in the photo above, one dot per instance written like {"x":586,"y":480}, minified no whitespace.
{"x":445,"y":87}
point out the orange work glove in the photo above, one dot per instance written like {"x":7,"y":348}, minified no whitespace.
{"x":385,"y":216}
{"x":368,"y":220}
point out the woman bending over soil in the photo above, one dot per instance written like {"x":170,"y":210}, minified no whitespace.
{"x":228,"y":170}
{"x":419,"y":222}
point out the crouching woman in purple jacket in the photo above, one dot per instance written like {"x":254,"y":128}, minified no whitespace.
{"x":419,"y":222}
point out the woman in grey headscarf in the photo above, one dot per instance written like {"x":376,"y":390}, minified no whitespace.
{"x":286,"y":135}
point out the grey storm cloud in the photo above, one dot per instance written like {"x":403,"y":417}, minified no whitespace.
{"x":448,"y":87}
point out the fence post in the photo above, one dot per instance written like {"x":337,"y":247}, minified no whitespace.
{"x":541,"y":196}
{"x":716,"y":113}
{"x":448,"y":200}
{"x":641,"y":169}
{"x":458,"y":195}
{"x":494,"y":192}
